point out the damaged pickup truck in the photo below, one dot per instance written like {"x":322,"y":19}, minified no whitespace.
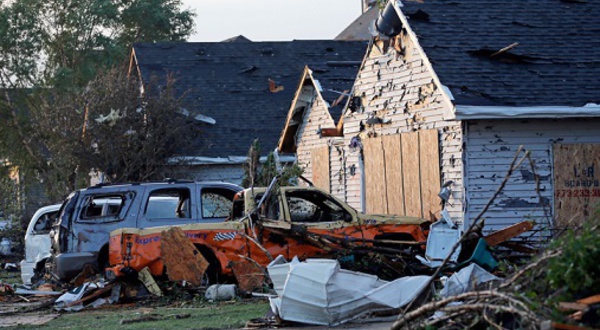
{"x":264,"y":223}
{"x":81,"y":234}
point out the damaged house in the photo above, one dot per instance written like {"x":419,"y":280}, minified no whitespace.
{"x":448,"y":92}
{"x":240,"y":91}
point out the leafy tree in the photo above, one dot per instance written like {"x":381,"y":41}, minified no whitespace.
{"x":56,"y":81}
{"x":65,"y":42}
{"x":261,"y":175}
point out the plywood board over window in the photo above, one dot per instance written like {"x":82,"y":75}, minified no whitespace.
{"x":576,"y":183}
{"x":392,"y":146}
{"x":402,"y":173}
{"x":411,"y":174}
{"x":430,"y":171}
{"x":320,"y":167}
{"x":375,"y":184}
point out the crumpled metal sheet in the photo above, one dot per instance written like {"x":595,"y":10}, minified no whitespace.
{"x":319,"y":292}
{"x":442,"y":237}
{"x":467,"y":279}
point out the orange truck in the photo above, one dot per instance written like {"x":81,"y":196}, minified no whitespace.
{"x":264,"y":223}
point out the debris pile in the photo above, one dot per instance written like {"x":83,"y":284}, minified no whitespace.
{"x":461,"y":279}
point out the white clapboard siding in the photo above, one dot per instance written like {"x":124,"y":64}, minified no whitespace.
{"x":491,"y":147}
{"x":401,"y":89}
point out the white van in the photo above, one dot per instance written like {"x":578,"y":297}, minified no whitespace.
{"x":37,"y":242}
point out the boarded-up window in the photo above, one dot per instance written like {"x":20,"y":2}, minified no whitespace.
{"x":320,"y":167}
{"x":576,"y":183}
{"x":375,"y":181}
{"x":402,"y":173}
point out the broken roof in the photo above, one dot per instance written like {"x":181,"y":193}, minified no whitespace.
{"x":247,"y":87}
{"x":556,"y":60}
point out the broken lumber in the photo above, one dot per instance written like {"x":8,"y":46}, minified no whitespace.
{"x":182,"y":260}
{"x":507,"y":233}
{"x":249,"y":274}
{"x":95,"y":294}
{"x":149,"y":282}
{"x":590,"y":300}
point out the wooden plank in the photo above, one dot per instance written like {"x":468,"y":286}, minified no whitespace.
{"x":576,"y":185}
{"x":375,"y":190}
{"x":411,"y":174}
{"x":392,"y":147}
{"x":507,"y":233}
{"x":590,"y":300}
{"x":571,"y":306}
{"x":320,"y":167}
{"x":249,"y":275}
{"x":430,"y":171}
{"x":181,"y":258}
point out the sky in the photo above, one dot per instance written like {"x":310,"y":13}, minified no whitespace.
{"x":271,"y":20}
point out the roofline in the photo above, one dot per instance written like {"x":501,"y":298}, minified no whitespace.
{"x":290,"y":113}
{"x":471,"y":112}
{"x":134,"y":65}
{"x":230,"y":160}
{"x":427,"y":62}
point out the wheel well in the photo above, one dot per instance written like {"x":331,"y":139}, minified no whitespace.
{"x":213,"y":271}
{"x":209,"y":255}
{"x":103,"y":258}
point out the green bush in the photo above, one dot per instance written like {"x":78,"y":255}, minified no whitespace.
{"x":576,"y":270}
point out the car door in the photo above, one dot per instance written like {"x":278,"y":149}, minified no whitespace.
{"x":216,"y":202}
{"x":164,"y":205}
{"x":98,"y":213}
{"x":307,"y":221}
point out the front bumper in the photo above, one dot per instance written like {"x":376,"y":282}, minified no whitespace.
{"x":66,"y":266}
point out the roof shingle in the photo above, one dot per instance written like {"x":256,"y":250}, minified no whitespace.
{"x":229,"y":81}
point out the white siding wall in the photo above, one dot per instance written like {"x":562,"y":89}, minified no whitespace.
{"x":337,"y":168}
{"x":401,"y":88}
{"x":490,"y":148}
{"x":308,"y":137}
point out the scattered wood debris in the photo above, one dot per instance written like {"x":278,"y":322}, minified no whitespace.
{"x":181,"y":258}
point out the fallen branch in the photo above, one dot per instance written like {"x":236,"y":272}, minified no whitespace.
{"x":476,"y":295}
{"x":532,"y":265}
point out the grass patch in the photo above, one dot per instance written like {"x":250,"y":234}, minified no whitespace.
{"x":203,"y":316}
{"x":11,"y":278}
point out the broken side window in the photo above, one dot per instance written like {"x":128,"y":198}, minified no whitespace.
{"x":102,"y":207}
{"x":44,"y":223}
{"x":313,"y":206}
{"x":270,"y":207}
{"x":216,"y":202}
{"x":168,"y":204}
